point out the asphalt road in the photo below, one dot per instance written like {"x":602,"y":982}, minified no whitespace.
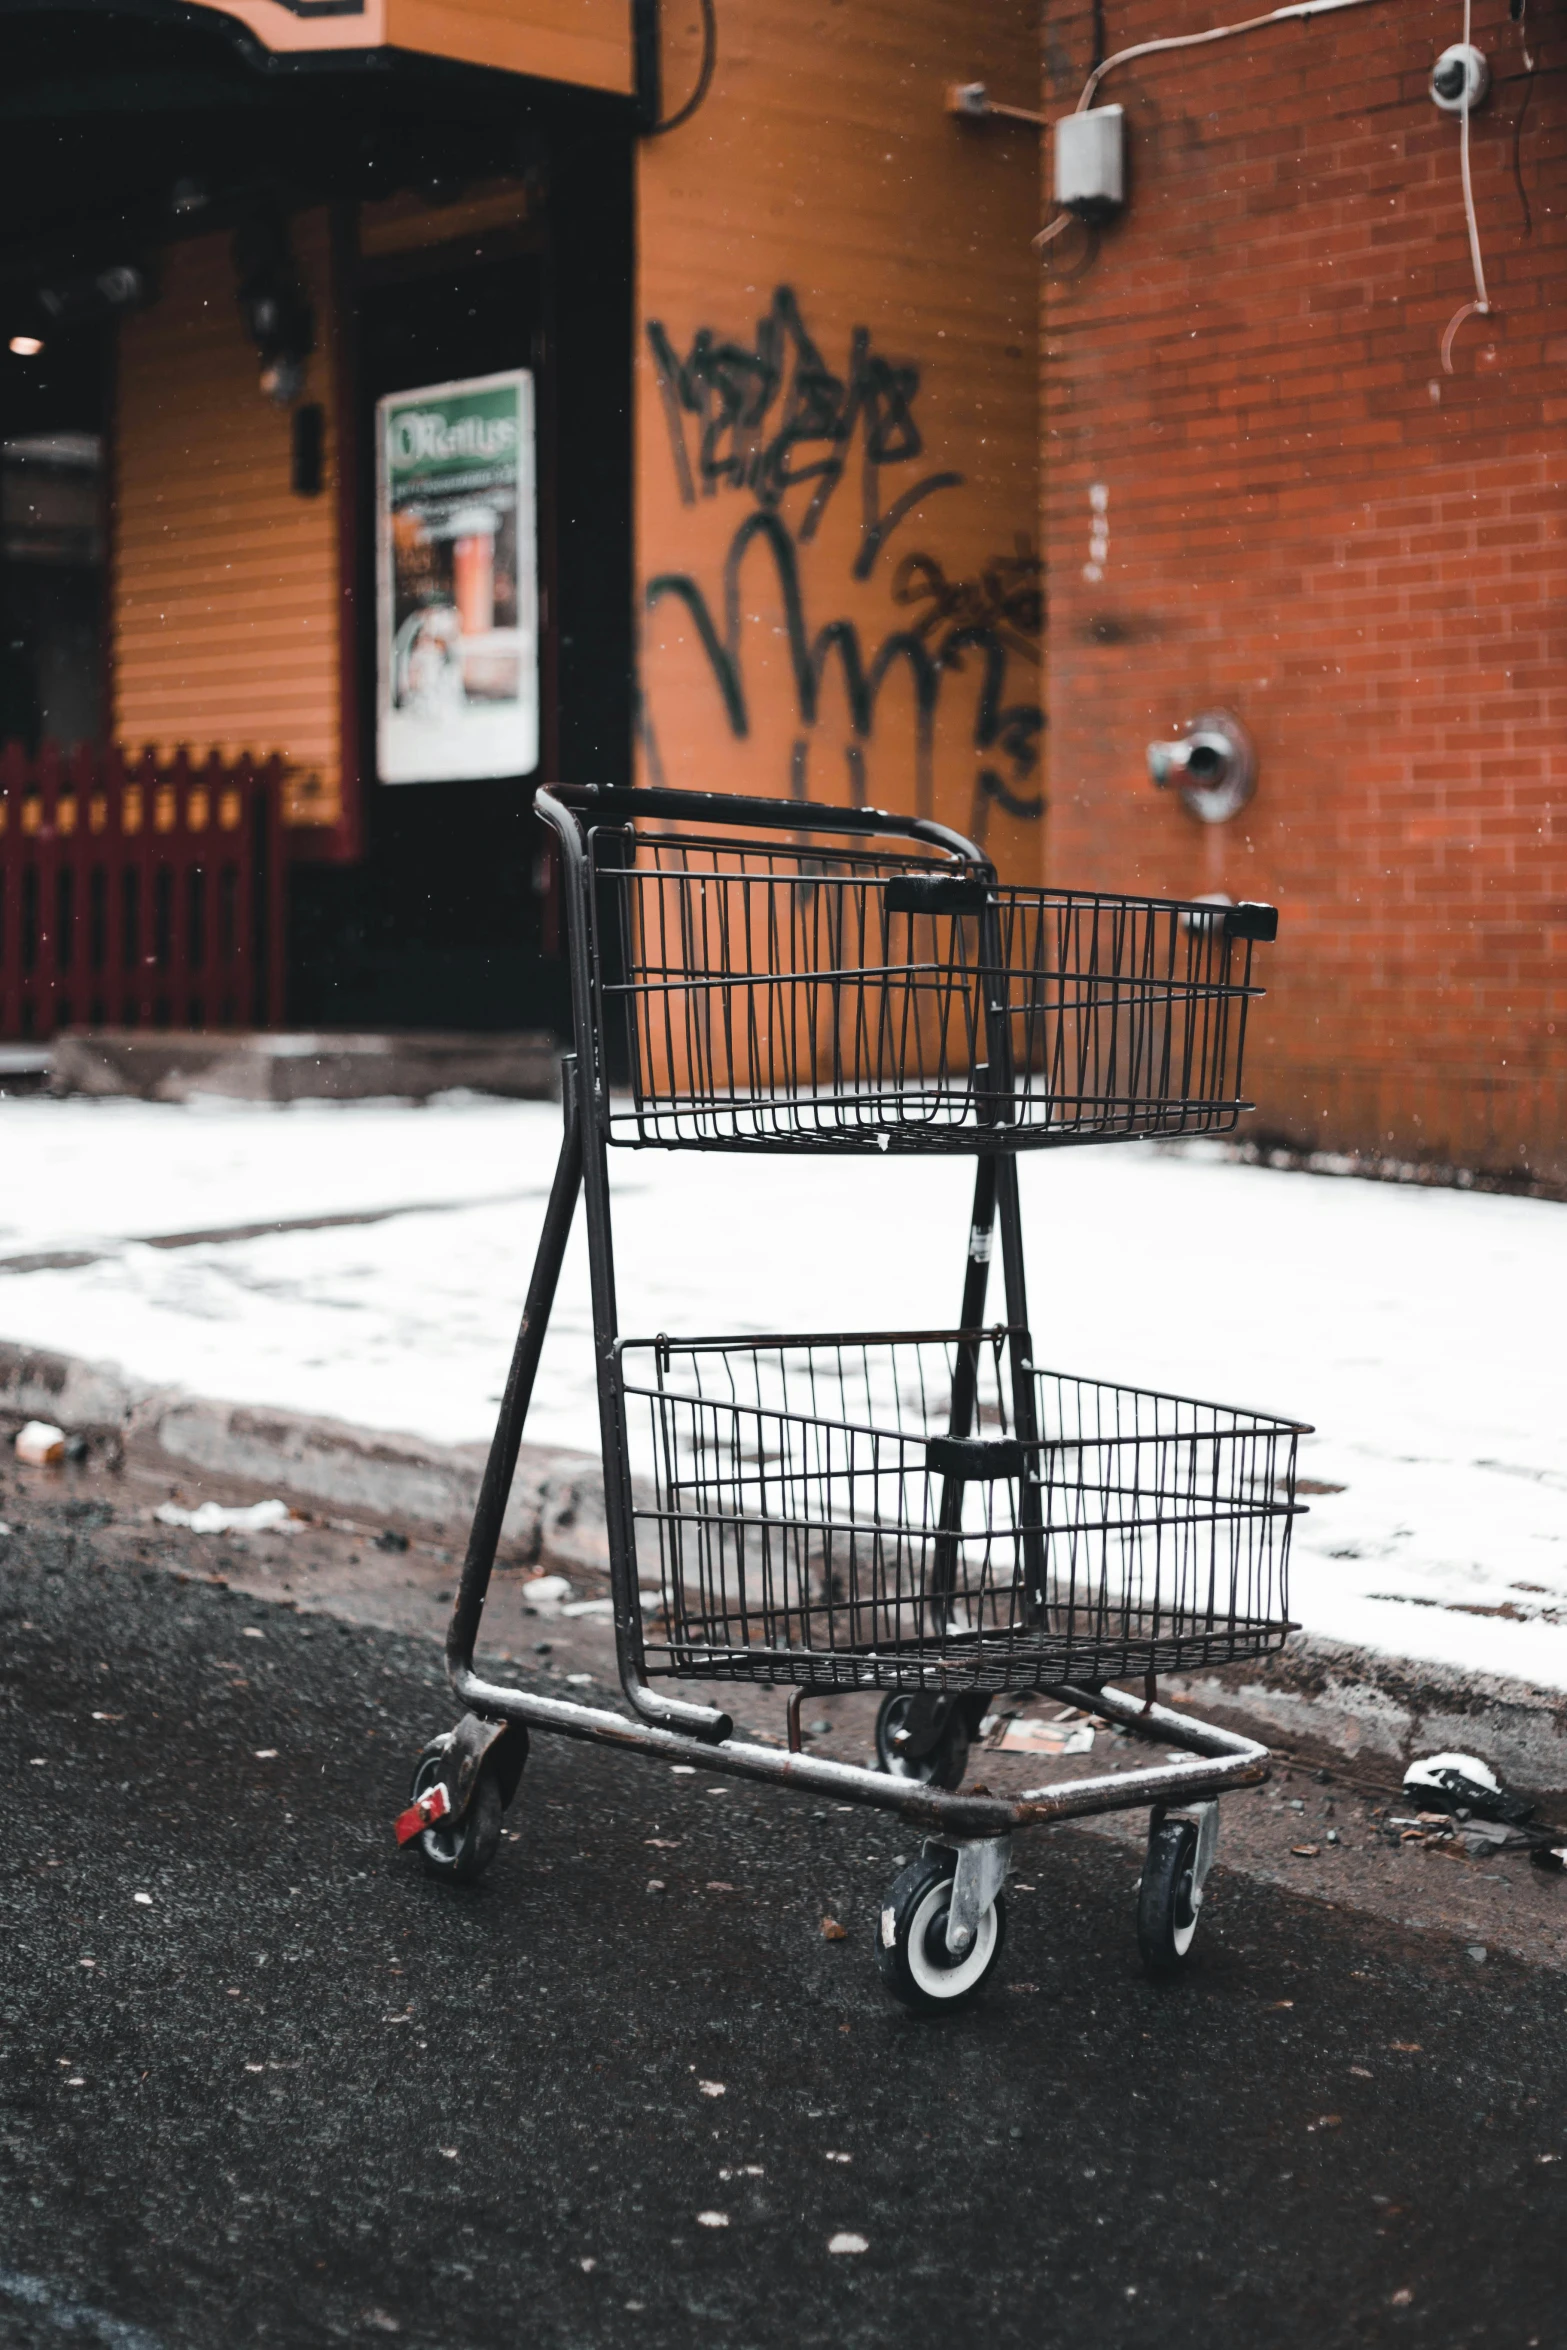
{"x":261,"y":2081}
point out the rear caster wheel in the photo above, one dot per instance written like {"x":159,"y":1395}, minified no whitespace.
{"x":911,"y":1941}
{"x":1168,"y":1898}
{"x":923,"y":1738}
{"x":459,"y":1850}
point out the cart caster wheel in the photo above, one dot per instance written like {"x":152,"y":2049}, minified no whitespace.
{"x":1167,"y":1899}
{"x":461,"y":1850}
{"x":911,"y":1940}
{"x":942,"y":1764}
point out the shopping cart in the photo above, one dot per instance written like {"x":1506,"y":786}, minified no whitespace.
{"x":930,"y":1515}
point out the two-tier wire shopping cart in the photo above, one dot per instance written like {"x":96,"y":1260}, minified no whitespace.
{"x":930,"y":1515}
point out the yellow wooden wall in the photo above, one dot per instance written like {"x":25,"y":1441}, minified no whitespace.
{"x":822,"y":196}
{"x":824,"y":187}
{"x":582,"y":41}
{"x":225,"y":588}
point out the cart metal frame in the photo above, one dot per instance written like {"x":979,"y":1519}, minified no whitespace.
{"x":662,"y":1728}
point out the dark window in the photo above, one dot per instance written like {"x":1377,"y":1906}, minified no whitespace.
{"x":53,"y":662}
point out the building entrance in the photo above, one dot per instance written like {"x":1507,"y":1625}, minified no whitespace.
{"x":445,"y":920}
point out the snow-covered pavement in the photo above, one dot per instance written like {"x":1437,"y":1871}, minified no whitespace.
{"x":1422,"y":1331}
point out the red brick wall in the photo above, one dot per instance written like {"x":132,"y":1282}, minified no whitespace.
{"x":1313,"y":526}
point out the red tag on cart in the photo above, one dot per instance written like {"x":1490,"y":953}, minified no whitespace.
{"x":432,"y":1805}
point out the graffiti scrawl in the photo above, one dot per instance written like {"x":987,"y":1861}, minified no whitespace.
{"x":772,"y":415}
{"x":769,"y":417}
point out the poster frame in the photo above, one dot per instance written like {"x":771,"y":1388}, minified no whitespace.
{"x":525,"y":716}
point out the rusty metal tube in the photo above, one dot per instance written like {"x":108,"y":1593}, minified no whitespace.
{"x":1224,"y":1760}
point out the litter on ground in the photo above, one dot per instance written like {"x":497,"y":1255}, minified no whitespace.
{"x":261,"y":1517}
{"x":1032,"y":1734}
{"x":39,"y":1443}
{"x":1437,"y":1481}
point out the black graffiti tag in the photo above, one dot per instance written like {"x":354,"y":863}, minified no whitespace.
{"x":1003,"y":731}
{"x":1008,"y":596}
{"x":772,"y":416}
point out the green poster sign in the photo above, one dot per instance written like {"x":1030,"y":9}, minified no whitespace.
{"x":457,"y":575}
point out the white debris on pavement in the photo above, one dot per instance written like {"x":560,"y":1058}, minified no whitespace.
{"x":38,"y":1442}
{"x":546,"y":1590}
{"x":260,"y":1517}
{"x":1417,"y":1328}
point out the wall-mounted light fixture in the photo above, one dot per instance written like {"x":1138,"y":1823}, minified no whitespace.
{"x":273,"y":304}
{"x":96,"y":294}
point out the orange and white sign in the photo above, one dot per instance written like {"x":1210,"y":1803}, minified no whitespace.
{"x":587,"y":42}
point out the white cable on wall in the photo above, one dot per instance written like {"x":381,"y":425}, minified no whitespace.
{"x":1221,"y":32}
{"x":1218,"y":32}
{"x":1480,"y":307}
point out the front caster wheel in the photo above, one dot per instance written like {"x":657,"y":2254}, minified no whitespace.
{"x":911,"y":1941}
{"x":1168,"y":1898}
{"x":924,"y":1738}
{"x":459,"y":1850}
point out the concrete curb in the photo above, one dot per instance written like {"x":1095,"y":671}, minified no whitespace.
{"x":556,"y":1509}
{"x":1329,"y":1698}
{"x":1319,"y":1695}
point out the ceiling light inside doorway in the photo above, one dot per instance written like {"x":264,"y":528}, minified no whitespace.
{"x":26,"y":346}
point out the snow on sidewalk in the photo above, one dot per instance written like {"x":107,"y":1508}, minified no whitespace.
{"x":1420,"y":1330}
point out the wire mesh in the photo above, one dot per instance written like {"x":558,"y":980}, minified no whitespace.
{"x":813,"y":1522}
{"x":766,"y":995}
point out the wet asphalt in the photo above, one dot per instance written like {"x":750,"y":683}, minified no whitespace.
{"x":262,"y":2081}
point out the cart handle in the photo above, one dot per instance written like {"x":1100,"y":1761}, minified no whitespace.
{"x":1258,"y":924}
{"x":619,"y":801}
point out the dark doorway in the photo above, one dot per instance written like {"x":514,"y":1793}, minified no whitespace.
{"x":444,"y":923}
{"x":53,"y":420}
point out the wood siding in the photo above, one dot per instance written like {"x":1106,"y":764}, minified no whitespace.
{"x":583,"y":41}
{"x":824,"y":191}
{"x":225,"y":586}
{"x":587,"y":42}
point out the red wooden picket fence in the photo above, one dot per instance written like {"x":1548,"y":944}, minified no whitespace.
{"x":139,"y":895}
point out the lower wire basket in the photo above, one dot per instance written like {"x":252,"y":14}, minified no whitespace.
{"x":817,"y":1523}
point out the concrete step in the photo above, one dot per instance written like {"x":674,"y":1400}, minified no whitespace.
{"x":170,"y":1064}
{"x":24,"y":1068}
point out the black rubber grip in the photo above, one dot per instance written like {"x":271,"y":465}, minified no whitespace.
{"x":1247,"y":921}
{"x":974,"y":1459}
{"x":936,"y":893}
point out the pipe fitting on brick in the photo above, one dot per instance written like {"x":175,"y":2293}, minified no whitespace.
{"x":1212,"y":764}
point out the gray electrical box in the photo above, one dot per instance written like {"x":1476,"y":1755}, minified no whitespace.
{"x":1090,"y":162}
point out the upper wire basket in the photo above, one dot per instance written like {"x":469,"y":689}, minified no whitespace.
{"x":774,"y":993}
{"x":813,"y":1523}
